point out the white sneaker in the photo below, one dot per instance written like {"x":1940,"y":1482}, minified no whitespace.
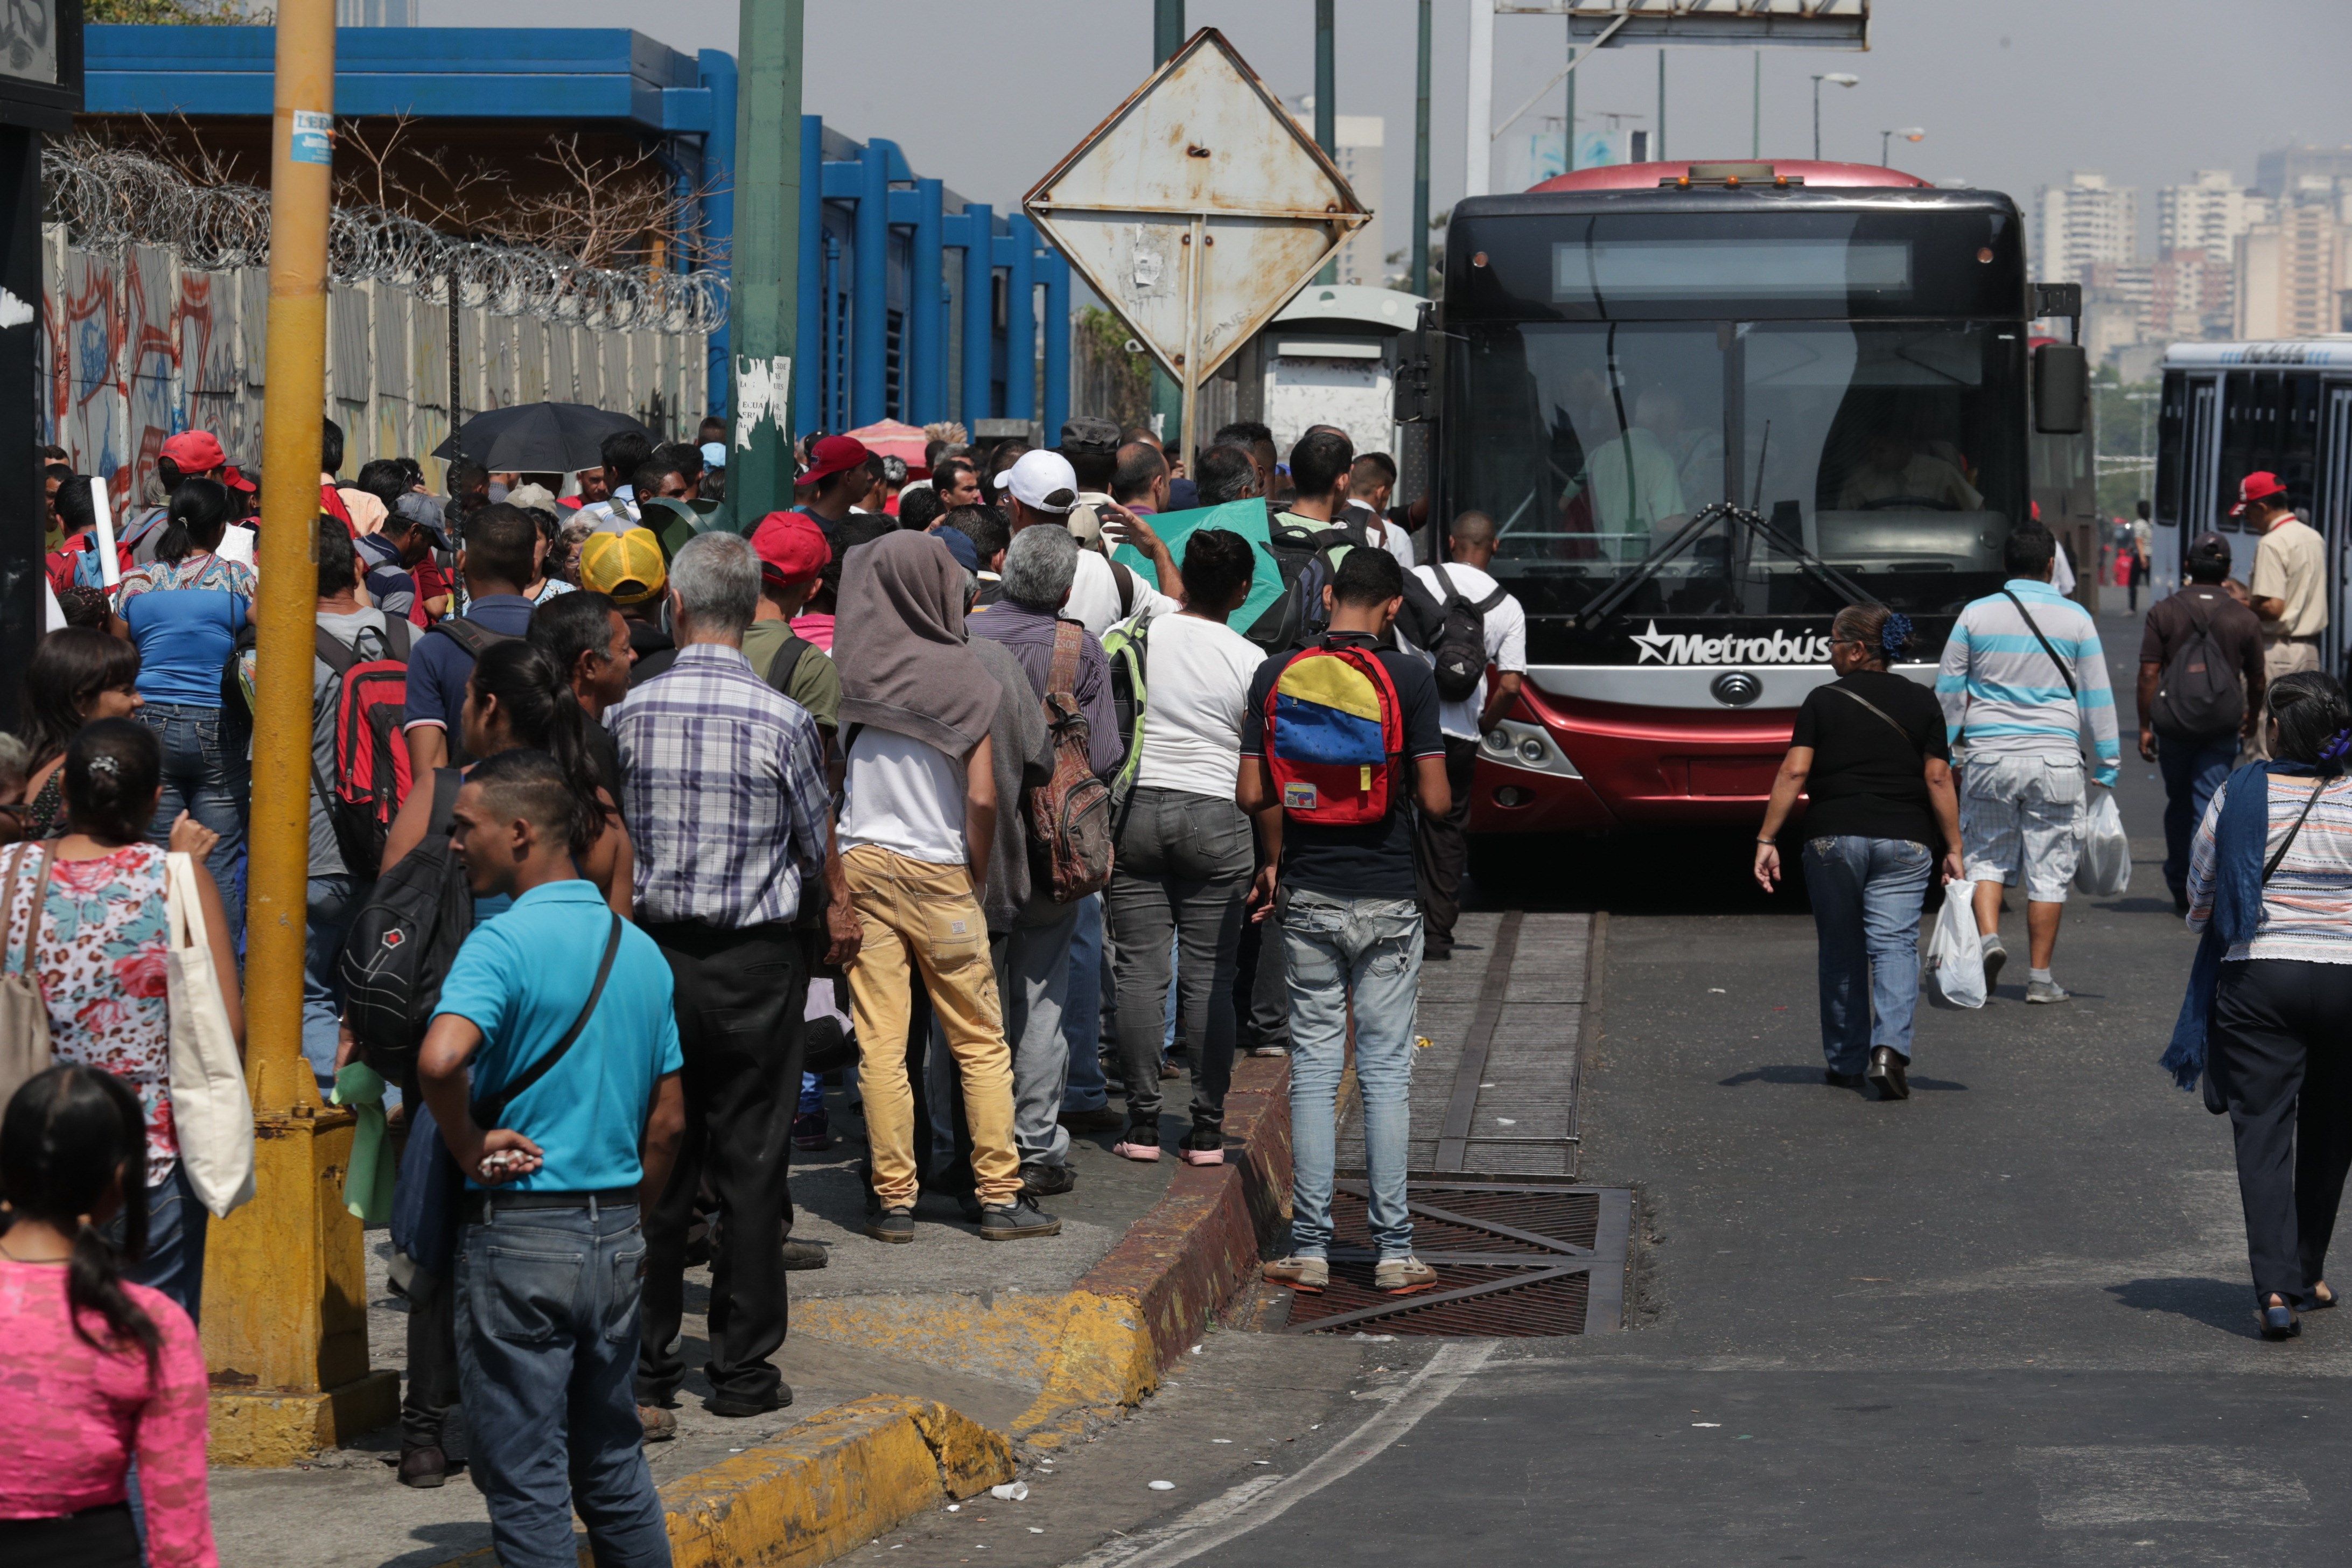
{"x":2045,"y":990}
{"x":1995,"y":955}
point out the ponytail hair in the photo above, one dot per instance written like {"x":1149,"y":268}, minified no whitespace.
{"x":198,"y":517}
{"x":113,"y":769}
{"x":535,"y":695}
{"x":68,"y":1133}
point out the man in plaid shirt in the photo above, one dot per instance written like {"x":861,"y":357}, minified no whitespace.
{"x":728,"y":807}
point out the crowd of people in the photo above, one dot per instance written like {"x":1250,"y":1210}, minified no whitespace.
{"x":911,"y":798}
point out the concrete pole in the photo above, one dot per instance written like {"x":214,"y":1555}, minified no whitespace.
{"x":1567,"y":112}
{"x":285,"y":1323}
{"x":1661,"y":153}
{"x":1327,"y":108}
{"x":1478,"y":153}
{"x":762,"y":307}
{"x":1756,"y":110}
{"x":1417,"y":247}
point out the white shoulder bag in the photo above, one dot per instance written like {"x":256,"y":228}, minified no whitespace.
{"x":210,"y":1104}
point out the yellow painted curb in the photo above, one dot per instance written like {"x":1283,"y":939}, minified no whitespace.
{"x":831,"y":1483}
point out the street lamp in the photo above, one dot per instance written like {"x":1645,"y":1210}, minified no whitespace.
{"x":1887,"y":137}
{"x":1842,"y":78}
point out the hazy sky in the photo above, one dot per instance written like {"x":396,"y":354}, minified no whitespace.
{"x":2012,"y":93}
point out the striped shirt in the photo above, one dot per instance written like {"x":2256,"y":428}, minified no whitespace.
{"x":2003,"y":696}
{"x":2308,"y":903}
{"x":727,"y":798}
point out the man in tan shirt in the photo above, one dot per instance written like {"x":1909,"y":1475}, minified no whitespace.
{"x":2290,"y":583}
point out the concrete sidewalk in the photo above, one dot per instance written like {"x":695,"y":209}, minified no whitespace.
{"x":970,"y":1346}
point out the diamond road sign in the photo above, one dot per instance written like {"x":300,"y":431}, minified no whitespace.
{"x":1197,"y":208}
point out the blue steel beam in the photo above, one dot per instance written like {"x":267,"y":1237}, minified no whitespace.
{"x":979,"y":311}
{"x":1055,"y":272}
{"x":927,"y":371}
{"x":870,"y":303}
{"x":810,"y":339}
{"x":1020,"y":318}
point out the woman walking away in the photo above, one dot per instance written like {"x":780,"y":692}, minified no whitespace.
{"x":1870,"y":748}
{"x":2269,"y":886}
{"x":93,"y":908}
{"x":184,"y":611}
{"x":75,"y":674}
{"x":97,"y":1371}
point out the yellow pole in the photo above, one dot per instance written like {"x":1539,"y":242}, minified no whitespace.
{"x":285,"y":1315}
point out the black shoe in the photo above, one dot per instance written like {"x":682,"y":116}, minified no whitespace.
{"x":804,"y":1254}
{"x":2180,"y":901}
{"x":1016,"y":1221}
{"x":892,"y":1224}
{"x":1836,"y":1079}
{"x":1040,"y":1181}
{"x":1886,"y":1071}
{"x":423,"y":1467}
{"x":736,"y":1406}
{"x":2277,"y":1322}
{"x":1437,"y":955}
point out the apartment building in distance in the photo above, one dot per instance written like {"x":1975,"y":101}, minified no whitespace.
{"x":2083,"y":223}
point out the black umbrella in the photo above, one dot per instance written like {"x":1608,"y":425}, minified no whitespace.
{"x":538,"y":438}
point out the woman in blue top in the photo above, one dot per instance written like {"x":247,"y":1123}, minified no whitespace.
{"x":183,"y":610}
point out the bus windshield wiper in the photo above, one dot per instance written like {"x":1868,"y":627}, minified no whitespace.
{"x":1604,"y":608}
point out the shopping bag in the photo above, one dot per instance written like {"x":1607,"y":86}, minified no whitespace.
{"x":2103,"y":869}
{"x":1955,"y":952}
{"x":210,"y":1106}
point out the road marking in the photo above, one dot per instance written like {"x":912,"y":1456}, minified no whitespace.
{"x":1264,"y":1499}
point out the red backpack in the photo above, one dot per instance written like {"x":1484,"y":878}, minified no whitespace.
{"x":1333,"y":729}
{"x":371,"y":751}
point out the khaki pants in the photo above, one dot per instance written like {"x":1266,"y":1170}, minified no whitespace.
{"x":916,"y":915}
{"x":2283,"y":657}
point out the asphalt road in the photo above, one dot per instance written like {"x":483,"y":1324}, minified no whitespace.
{"x":2005,"y":1322}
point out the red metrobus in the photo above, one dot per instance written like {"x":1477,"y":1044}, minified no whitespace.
{"x":1838,"y":351}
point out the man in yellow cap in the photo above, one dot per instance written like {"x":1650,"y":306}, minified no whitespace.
{"x":626,"y":567}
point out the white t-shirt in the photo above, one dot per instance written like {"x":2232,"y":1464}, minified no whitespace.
{"x":1383,"y":533}
{"x":1094,"y":595}
{"x":1197,"y":675}
{"x":905,"y":797}
{"x":1506,"y":641}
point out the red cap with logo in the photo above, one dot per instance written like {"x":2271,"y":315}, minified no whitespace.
{"x":791,"y":547}
{"x":2259,"y":485}
{"x":832,"y":455}
{"x":194,"y":452}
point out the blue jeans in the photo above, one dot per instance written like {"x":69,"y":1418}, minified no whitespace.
{"x":175,"y":1263}
{"x":2192,"y":771}
{"x":332,"y":902}
{"x":202,"y":779}
{"x":1082,"y":1023}
{"x":1868,"y":894}
{"x":1371,"y":948}
{"x":547,"y":1355}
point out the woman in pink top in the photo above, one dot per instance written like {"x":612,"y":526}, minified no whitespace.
{"x":94,"y":1371}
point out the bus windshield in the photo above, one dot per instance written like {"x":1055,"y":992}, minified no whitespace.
{"x":1892,"y":450}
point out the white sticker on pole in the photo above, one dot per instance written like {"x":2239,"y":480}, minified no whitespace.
{"x":314,"y":137}
{"x":109,"y":570}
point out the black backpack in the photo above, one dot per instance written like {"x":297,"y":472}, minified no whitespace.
{"x":2200,"y":695}
{"x":402,"y":943}
{"x":785,"y":661}
{"x":1460,"y":649}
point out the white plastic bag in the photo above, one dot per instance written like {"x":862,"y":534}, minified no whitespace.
{"x":1955,"y":952}
{"x":2103,"y":871}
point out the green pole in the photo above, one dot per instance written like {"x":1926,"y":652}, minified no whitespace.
{"x":1417,"y":247}
{"x":1660,"y":154}
{"x":1166,"y":398}
{"x":762,"y":309}
{"x":1327,"y":108}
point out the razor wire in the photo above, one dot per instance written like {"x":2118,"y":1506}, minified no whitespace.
{"x":109,"y":199}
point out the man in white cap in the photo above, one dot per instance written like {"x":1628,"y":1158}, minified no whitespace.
{"x":1042,"y":487}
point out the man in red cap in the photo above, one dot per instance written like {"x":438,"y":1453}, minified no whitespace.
{"x":2289,"y":585}
{"x":793,"y":551}
{"x":840,"y":472}
{"x":190,"y":455}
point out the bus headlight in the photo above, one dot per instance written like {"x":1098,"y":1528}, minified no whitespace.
{"x":1514,"y":744}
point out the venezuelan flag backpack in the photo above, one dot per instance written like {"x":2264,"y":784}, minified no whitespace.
{"x":1332,"y":728}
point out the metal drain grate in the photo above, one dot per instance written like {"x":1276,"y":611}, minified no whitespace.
{"x":1514,"y":1261}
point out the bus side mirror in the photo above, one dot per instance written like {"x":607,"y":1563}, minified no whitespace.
{"x":2062,"y":389}
{"x":1417,"y":368}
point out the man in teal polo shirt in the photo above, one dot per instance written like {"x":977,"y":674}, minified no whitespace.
{"x":584,"y":1057}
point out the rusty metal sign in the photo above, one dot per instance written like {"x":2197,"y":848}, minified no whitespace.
{"x":1197,"y":209}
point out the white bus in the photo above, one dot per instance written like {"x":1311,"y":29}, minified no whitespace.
{"x":2232,"y":409}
